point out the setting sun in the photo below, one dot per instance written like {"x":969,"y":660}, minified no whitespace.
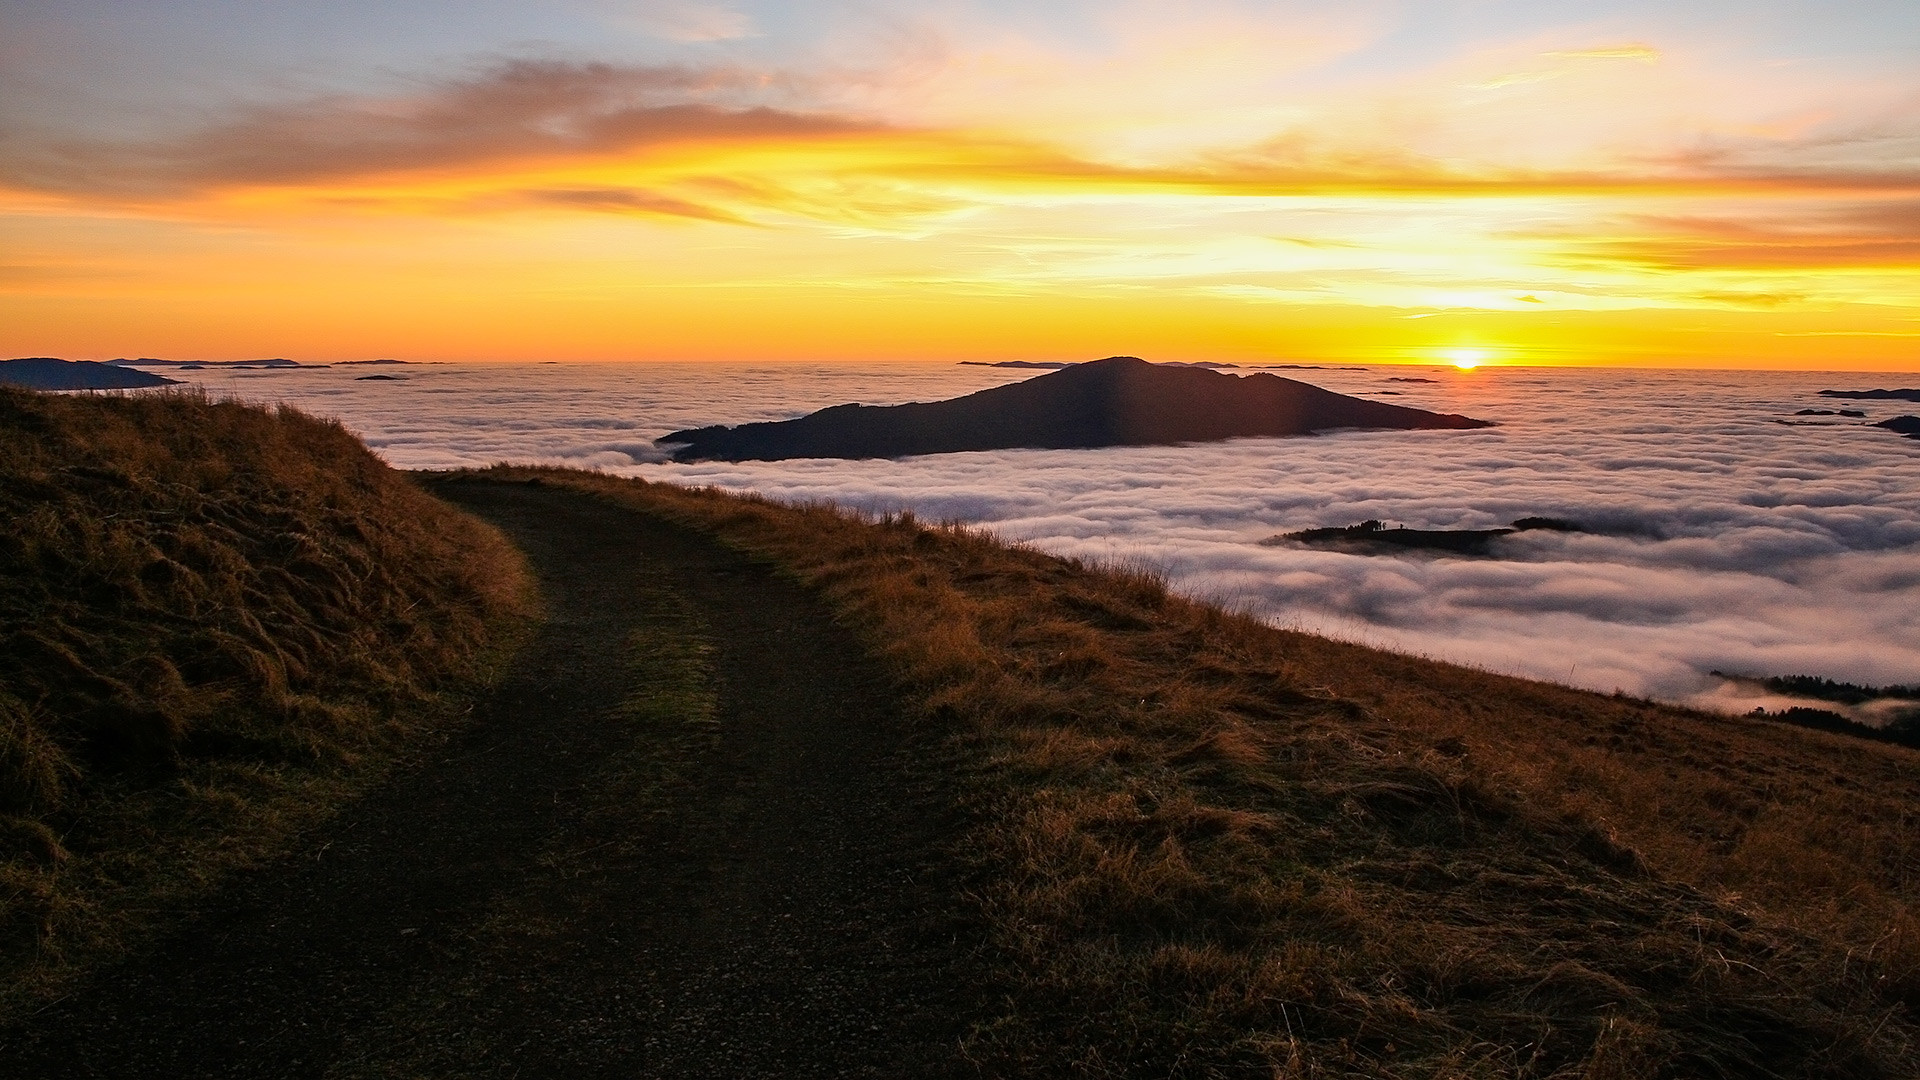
{"x":1466,"y":359}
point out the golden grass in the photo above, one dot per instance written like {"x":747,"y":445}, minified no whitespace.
{"x":1208,"y":847}
{"x":211,"y":616}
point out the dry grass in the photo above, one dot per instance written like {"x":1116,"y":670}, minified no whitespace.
{"x":212,"y":617}
{"x":1212,"y":848}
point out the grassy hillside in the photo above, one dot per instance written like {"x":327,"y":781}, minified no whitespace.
{"x":1207,"y":847}
{"x":210,"y":615}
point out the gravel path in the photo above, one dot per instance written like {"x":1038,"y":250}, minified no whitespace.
{"x":580,"y":884}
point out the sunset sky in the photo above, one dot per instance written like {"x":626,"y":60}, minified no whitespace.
{"x":1705,"y":182}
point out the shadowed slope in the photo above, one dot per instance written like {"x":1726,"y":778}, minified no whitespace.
{"x":690,"y":836}
{"x":1119,"y":401}
{"x":1211,"y":848}
{"x":211,"y":615}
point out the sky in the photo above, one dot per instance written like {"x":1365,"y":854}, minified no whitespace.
{"x":1697,"y":183}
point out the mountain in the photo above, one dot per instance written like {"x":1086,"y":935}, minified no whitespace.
{"x":1874,"y":395}
{"x":1373,"y":537}
{"x":1119,"y":401}
{"x":270,"y":362}
{"x":52,"y":373}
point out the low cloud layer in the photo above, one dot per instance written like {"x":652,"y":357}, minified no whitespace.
{"x":1723,"y":540}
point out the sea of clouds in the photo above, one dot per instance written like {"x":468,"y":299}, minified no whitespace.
{"x":1723,"y":539}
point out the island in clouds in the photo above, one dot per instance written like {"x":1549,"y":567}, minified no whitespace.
{"x":53,"y":373}
{"x":1119,"y":401}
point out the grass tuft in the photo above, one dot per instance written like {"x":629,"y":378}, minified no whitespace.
{"x":212,"y":617}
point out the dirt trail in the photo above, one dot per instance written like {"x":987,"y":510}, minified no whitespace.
{"x":581,"y":884}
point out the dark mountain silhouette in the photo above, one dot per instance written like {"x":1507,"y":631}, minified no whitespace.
{"x":1905,"y":425}
{"x":1119,"y":401}
{"x":1373,"y":537}
{"x":52,"y":373}
{"x":1874,"y":395}
{"x":270,"y":362}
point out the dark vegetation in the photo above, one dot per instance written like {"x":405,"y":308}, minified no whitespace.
{"x":210,"y":615}
{"x":1373,"y":537}
{"x":1854,"y":413}
{"x":1902,"y":730}
{"x":1207,"y":847}
{"x":1905,"y":425}
{"x":51,"y":373}
{"x":1901,"y":726}
{"x":1873,"y":395}
{"x":1844,"y":693}
{"x":1119,"y":401}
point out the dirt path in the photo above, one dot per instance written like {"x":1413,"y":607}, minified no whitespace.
{"x":689,"y":836}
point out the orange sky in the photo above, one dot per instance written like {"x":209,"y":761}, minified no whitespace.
{"x":1234,"y":181}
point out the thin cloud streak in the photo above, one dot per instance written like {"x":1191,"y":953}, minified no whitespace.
{"x":507,"y":113}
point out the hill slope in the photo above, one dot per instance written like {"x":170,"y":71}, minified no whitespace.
{"x":205,"y":609}
{"x":51,"y":373}
{"x":1119,"y":401}
{"x":677,"y":839}
{"x":1212,"y":848}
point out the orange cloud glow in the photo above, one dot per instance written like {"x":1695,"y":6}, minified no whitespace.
{"x":1534,"y":204}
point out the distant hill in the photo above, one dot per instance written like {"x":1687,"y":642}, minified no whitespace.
{"x":1874,"y":395}
{"x":52,"y":373}
{"x":269,"y":362}
{"x":1119,"y":401}
{"x":1373,"y":537}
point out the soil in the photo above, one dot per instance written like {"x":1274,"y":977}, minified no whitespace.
{"x":560,"y":890}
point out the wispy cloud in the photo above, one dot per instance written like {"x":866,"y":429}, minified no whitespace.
{"x":685,"y":20}
{"x":626,"y":201}
{"x":505,"y":112}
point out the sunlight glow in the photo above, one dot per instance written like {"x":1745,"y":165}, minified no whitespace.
{"x":1007,"y":198}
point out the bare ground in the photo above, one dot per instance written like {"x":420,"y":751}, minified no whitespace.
{"x":692,"y":834}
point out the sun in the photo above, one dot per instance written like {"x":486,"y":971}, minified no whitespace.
{"x":1465,"y":359}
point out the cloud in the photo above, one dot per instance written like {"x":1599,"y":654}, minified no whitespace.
{"x":514,"y":110}
{"x":1645,"y":54}
{"x":1847,"y":233}
{"x":626,"y":201}
{"x":687,"y":20}
{"x":1723,"y":540}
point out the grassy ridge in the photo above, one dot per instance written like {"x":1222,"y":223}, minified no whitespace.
{"x":1212,"y":848}
{"x":208,"y":613}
